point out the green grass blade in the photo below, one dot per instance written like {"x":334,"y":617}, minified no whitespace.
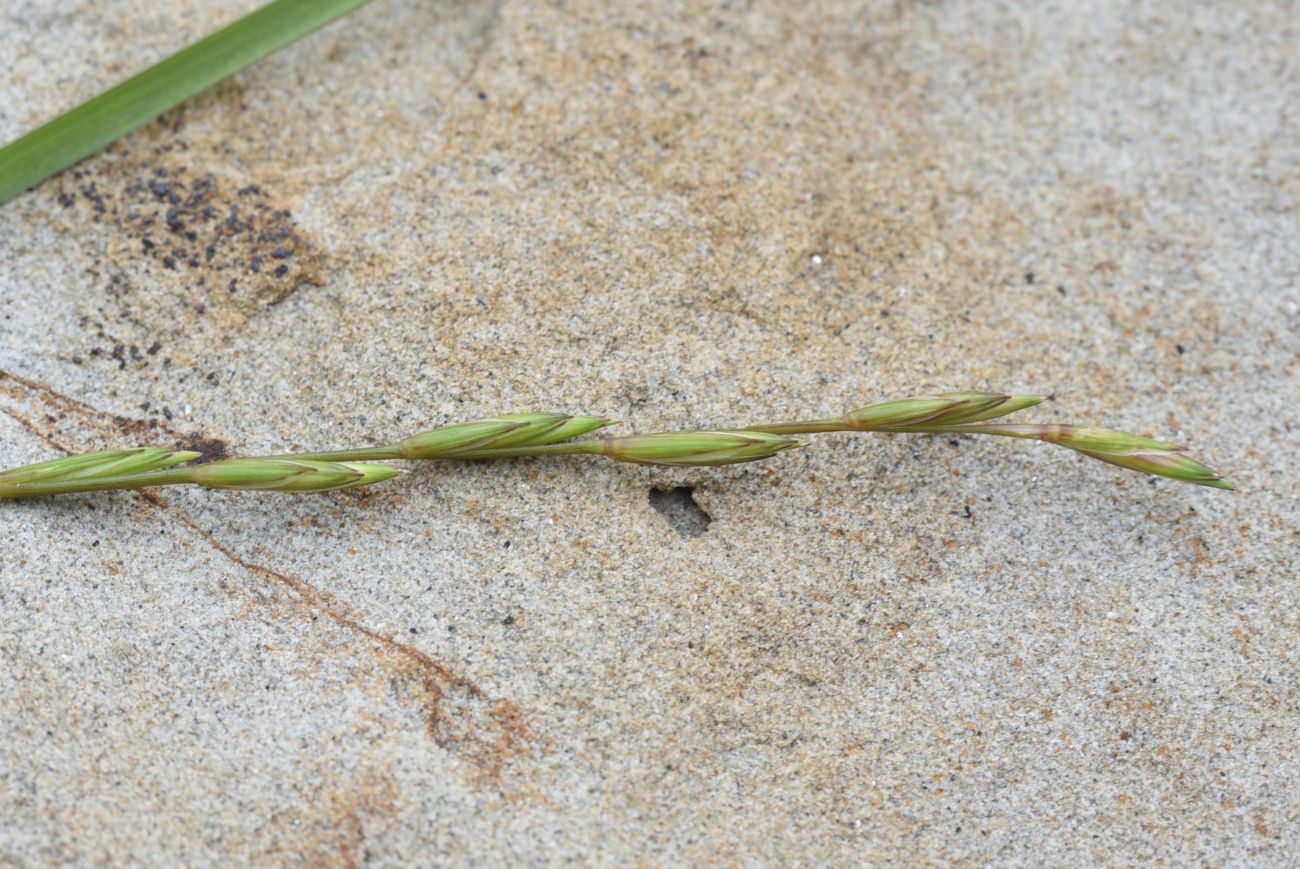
{"x":90,"y":126}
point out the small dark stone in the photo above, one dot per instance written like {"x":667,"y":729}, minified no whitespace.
{"x":281,"y":252}
{"x":160,"y":187}
{"x":209,"y":449}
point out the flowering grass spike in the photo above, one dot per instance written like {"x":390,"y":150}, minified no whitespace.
{"x":552,"y":434}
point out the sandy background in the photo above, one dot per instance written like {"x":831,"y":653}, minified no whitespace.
{"x":889,"y":650}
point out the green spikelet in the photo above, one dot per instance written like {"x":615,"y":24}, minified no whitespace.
{"x":926,"y":411}
{"x":696,"y":447}
{"x":502,"y":432}
{"x":1144,"y":455}
{"x":92,"y":466}
{"x":288,"y":475}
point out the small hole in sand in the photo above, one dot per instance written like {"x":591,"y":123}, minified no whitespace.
{"x":677,"y":505}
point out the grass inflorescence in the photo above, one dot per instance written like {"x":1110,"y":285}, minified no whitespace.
{"x":552,"y":434}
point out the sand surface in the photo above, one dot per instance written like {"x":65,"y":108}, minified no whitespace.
{"x":901,"y":650}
